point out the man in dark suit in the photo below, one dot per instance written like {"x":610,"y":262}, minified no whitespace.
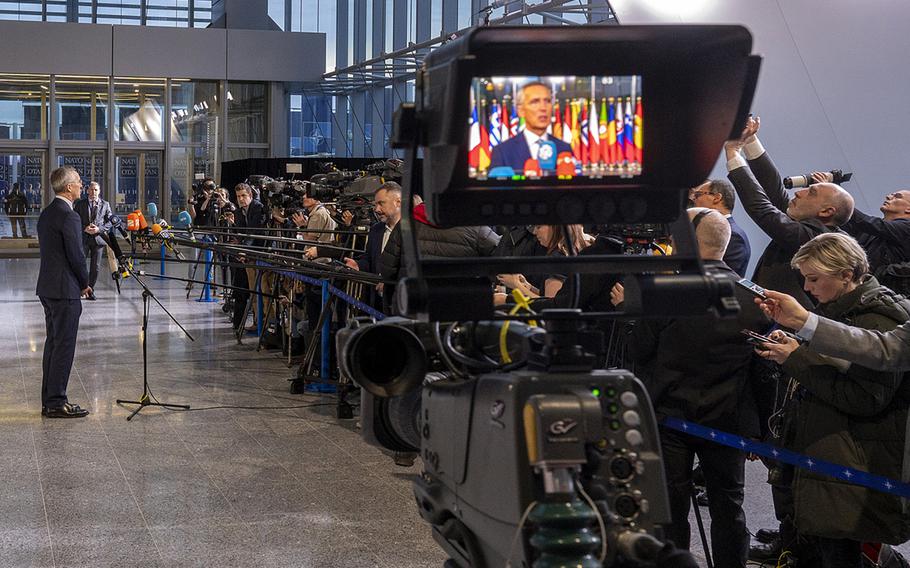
{"x":95,"y":214}
{"x":62,"y":280}
{"x":697,"y":369}
{"x":387,"y":206}
{"x":719,"y":195}
{"x":535,"y":105}
{"x":251,"y":214}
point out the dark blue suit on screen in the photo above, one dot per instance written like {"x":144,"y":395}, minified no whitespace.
{"x":514,"y":152}
{"x":61,"y":280}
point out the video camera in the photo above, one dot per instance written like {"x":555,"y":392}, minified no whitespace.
{"x":201,"y":190}
{"x":531,"y":455}
{"x":352,"y":190}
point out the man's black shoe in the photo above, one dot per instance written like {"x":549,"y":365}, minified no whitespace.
{"x":767,"y":535}
{"x":405,"y":459}
{"x":764,"y":551}
{"x":67,"y":411}
{"x":702,"y":499}
{"x":43,"y":411}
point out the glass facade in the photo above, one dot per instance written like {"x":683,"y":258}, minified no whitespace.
{"x":24,"y":106}
{"x":81,"y":112}
{"x":139,"y":109}
{"x":170,"y":13}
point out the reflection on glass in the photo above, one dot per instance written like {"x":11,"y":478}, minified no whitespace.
{"x":247,"y":112}
{"x":23,"y":106}
{"x":82,"y":108}
{"x":138,"y":108}
{"x":26,"y":170}
{"x":187,"y":165}
{"x":90,"y":166}
{"x":138,"y":181}
{"x":244,"y":153}
{"x":195,"y":112}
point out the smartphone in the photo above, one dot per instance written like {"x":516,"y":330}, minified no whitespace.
{"x":757,"y":338}
{"x":753,"y":288}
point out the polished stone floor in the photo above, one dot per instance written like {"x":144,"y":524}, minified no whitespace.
{"x":233,"y":487}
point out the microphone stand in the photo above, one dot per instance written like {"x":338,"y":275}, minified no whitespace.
{"x":144,"y":400}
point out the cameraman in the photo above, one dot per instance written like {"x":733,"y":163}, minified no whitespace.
{"x":886,"y":240}
{"x":317,"y":219}
{"x":202,"y":217}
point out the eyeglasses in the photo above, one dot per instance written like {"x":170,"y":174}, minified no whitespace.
{"x":697,"y":194}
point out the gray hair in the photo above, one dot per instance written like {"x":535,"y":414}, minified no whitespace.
{"x":725,"y":190}
{"x":390,"y":186}
{"x":520,"y":96}
{"x":63,"y":176}
{"x":712,"y":233}
{"x":833,"y":254}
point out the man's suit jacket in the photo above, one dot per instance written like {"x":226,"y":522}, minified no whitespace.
{"x":83,"y":208}
{"x":369,"y":260}
{"x":874,"y":349}
{"x":738,"y":251}
{"x":63,"y":274}
{"x":514,"y":151}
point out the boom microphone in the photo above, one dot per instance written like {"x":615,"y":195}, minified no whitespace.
{"x":186,"y":220}
{"x":167,"y":238}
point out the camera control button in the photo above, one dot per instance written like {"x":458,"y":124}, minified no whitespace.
{"x":631,"y":418}
{"x":634,"y":438}
{"x":629,"y":399}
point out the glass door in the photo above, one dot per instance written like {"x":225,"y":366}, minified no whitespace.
{"x":138,"y":181}
{"x":91,"y":167}
{"x":22,"y":174}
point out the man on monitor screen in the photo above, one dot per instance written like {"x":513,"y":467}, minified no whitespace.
{"x":535,"y":106}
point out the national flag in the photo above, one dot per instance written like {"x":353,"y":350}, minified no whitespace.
{"x":628,"y":142}
{"x":474,"y":141}
{"x":576,"y":133}
{"x":620,"y":136}
{"x":584,"y":134}
{"x":504,"y":133}
{"x":611,"y":133}
{"x":593,"y":136}
{"x":514,"y":122}
{"x":557,"y":122}
{"x":639,"y":133}
{"x":495,"y":125}
{"x":567,"y":125}
{"x":602,"y":137}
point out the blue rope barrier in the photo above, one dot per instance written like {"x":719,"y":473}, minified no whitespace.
{"x":837,"y":471}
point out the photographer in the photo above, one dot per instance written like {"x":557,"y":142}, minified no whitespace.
{"x":200,"y":204}
{"x":886,"y":240}
{"x":845,"y":414}
{"x":697,"y":369}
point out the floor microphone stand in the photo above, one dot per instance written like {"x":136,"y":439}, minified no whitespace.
{"x":144,"y":400}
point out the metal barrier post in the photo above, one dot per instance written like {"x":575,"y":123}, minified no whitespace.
{"x":326,"y":333}
{"x":207,"y":287}
{"x":163,"y":264}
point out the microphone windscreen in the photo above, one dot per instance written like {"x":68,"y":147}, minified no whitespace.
{"x":143,"y":224}
{"x":153,"y":210}
{"x":546,"y":155}
{"x":501,"y":172}
{"x":532,"y":168}
{"x":156,"y":229}
{"x":565,"y":165}
{"x":184,"y":218}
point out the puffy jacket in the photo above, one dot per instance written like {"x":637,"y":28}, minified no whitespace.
{"x":454,"y":242}
{"x":856,"y":418}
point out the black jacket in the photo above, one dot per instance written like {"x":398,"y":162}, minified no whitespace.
{"x":697,"y":368}
{"x":255,"y":218}
{"x":454,"y":242}
{"x":886,"y":242}
{"x":856,"y":418}
{"x":63,"y":275}
{"x":82,"y":208}
{"x":763,"y":197}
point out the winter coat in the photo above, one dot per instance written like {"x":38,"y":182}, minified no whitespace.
{"x":856,"y":418}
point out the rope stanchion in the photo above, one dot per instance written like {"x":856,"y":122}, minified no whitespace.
{"x":815,"y":465}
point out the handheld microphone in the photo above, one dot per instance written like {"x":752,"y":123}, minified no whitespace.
{"x":532,"y":168}
{"x":565,"y":165}
{"x":152,"y":208}
{"x":546,"y":155}
{"x":166,"y":236}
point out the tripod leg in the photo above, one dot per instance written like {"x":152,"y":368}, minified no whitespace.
{"x":270,"y":302}
{"x":701,"y":528}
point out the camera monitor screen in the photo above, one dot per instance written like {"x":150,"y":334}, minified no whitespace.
{"x":555,"y":127}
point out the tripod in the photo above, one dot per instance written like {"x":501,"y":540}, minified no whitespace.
{"x":144,"y":400}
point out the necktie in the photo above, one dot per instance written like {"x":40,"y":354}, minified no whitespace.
{"x":94,"y":211}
